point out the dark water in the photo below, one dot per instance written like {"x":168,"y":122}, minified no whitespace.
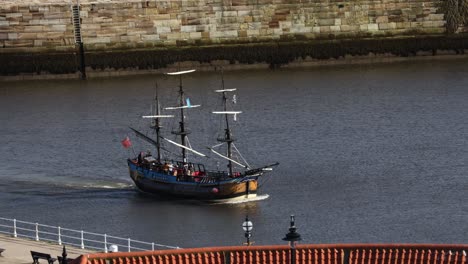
{"x":374,"y":153}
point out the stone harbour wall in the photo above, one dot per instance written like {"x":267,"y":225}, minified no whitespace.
{"x":115,"y":25}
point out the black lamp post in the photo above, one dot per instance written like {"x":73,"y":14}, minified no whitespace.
{"x":64,"y":256}
{"x":247,"y":226}
{"x":292,"y":237}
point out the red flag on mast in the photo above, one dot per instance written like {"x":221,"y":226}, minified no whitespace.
{"x":126,"y":143}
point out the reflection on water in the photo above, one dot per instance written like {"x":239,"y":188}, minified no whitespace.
{"x":373,"y":153}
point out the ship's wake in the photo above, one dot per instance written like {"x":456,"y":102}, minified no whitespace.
{"x":242,"y":199}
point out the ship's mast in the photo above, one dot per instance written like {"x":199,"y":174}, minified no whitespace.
{"x":227,"y":135}
{"x":157,"y":125}
{"x":182,"y":131}
{"x":227,"y":131}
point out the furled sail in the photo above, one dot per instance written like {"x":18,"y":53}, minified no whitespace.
{"x":184,"y":147}
{"x":226,"y":90}
{"x":188,"y":105}
{"x":157,"y":116}
{"x":181,"y":107}
{"x":180,"y":72}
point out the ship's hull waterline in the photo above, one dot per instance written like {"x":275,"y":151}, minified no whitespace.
{"x":163,"y":184}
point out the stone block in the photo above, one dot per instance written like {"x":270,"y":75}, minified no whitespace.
{"x":50,"y":22}
{"x":438,"y":24}
{"x":166,"y":23}
{"x":277,"y":32}
{"x":144,"y":24}
{"x":57,"y":28}
{"x":205,"y":35}
{"x":188,"y":28}
{"x":202,"y":28}
{"x":435,"y":17}
{"x":3,"y":36}
{"x":85,"y":27}
{"x":335,"y":28}
{"x":373,"y":27}
{"x":285,"y":24}
{"x":253,"y":32}
{"x":315,"y":29}
{"x":170,"y":36}
{"x":227,"y":20}
{"x":133,"y":39}
{"x":19,"y":43}
{"x":96,"y":40}
{"x":195,"y":35}
{"x":244,"y":13}
{"x":32,"y":8}
{"x":10,"y":15}
{"x":27,"y":17}
{"x":34,"y":22}
{"x":136,"y":32}
{"x":55,"y":15}
{"x":224,"y":34}
{"x":427,"y":24}
{"x":12,"y":36}
{"x":149,"y":37}
{"x":162,"y":17}
{"x":403,"y":25}
{"x":4,"y":23}
{"x":266,"y":32}
{"x":337,"y":21}
{"x":326,"y":22}
{"x":33,"y":28}
{"x":228,"y":14}
{"x":27,"y":36}
{"x":325,"y":29}
{"x":151,"y":11}
{"x":242,"y":34}
{"x":383,"y":26}
{"x":49,"y":35}
{"x":381,"y":19}
{"x":160,"y":30}
{"x":392,"y":25}
{"x":38,"y":42}
{"x":416,"y":24}
{"x":346,"y":28}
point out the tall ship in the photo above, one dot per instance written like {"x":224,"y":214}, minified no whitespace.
{"x":188,"y":178}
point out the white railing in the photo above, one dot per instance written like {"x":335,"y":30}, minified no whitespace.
{"x":77,"y":238}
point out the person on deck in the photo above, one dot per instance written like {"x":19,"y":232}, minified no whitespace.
{"x":166,"y":168}
{"x":140,"y":158}
{"x":171,"y":168}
